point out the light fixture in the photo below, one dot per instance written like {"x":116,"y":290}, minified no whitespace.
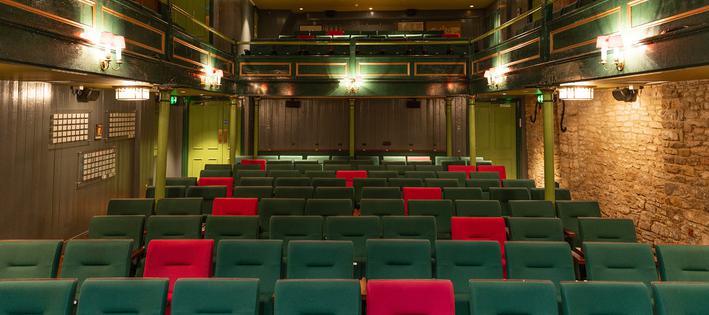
{"x":471,"y":6}
{"x":496,"y":76}
{"x":576,"y":92}
{"x":351,"y":84}
{"x":211,"y":77}
{"x":300,"y":9}
{"x":617,"y":44}
{"x":132,"y":93}
{"x":109,"y":43}
{"x":370,"y":8}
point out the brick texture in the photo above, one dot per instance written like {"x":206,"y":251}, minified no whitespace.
{"x":647,"y":160}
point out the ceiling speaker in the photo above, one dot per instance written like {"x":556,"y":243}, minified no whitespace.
{"x":625,"y":95}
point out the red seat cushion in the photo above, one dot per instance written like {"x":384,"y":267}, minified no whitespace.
{"x":235,"y":206}
{"x":500,"y":169}
{"x":462,"y":168}
{"x":420,"y":193}
{"x":481,"y":229}
{"x":261,"y":163}
{"x":176,"y":259}
{"x":425,"y":297}
{"x":349,"y":176}
{"x":218,"y":181}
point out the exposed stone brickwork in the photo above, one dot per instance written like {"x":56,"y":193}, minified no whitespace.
{"x":647,"y":160}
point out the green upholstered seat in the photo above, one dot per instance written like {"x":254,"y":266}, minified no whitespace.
{"x":460,"y":176}
{"x":290,"y":158}
{"x":272,"y":166}
{"x":208,"y":193}
{"x":420,"y":174}
{"x":47,"y":297}
{"x":427,"y":167}
{"x":283,"y":173}
{"x":526,"y":183}
{"x":606,"y":230}
{"x":337,"y":167}
{"x":292,"y":181}
{"x":118,"y":227}
{"x":256,"y":181}
{"x":96,"y":259}
{"x":173,"y":227}
{"x":442,"y":210}
{"x":130,"y":206}
{"x":293,"y":192}
{"x":478,"y":208}
{"x":320,"y":260}
{"x":123,"y":296}
{"x":319,"y":158}
{"x":380,"y":207}
{"x":259,"y":192}
{"x":599,"y":297}
{"x":528,"y":297}
{"x":535,"y":229}
{"x":179,"y":206}
{"x":409,"y":227}
{"x":570,"y":211}
{"x":215,"y":173}
{"x":360,"y":183}
{"x":328,"y":207}
{"x":355,"y":229}
{"x":321,"y":174}
{"x":683,"y":262}
{"x":247,"y":167}
{"x":29,"y":259}
{"x":288,"y":228}
{"x":231,"y":227}
{"x":170,"y":191}
{"x":483,"y":184}
{"x":334,"y":193}
{"x":485,"y":175}
{"x":215,"y":296}
{"x":302,"y":297}
{"x":460,"y":261}
{"x":505,"y":194}
{"x":328,"y":182}
{"x":539,"y":261}
{"x":383,"y":174}
{"x":400,"y":168}
{"x":303,"y":167}
{"x":398,"y":259}
{"x":181,"y":181}
{"x":278,"y":206}
{"x":559,"y":193}
{"x":405,"y":182}
{"x":619,"y":262}
{"x":250,"y":173}
{"x":532,"y":208}
{"x":677,"y":297}
{"x":260,"y":259}
{"x":217,"y":166}
{"x":441,"y":182}
{"x":462,"y":193}
{"x":381,"y":193}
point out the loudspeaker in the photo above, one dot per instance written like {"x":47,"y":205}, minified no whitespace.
{"x":330,"y":13}
{"x":293,"y":103}
{"x":413,"y":103}
{"x":87,"y":95}
{"x":411,"y":12}
{"x":625,"y":95}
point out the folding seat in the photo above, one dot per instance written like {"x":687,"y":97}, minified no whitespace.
{"x":260,"y":162}
{"x":214,"y":174}
{"x":560,"y":194}
{"x":248,"y":167}
{"x":269,"y":158}
{"x":208,"y":193}
{"x":231,"y":227}
{"x":290,"y":158}
{"x":320,"y":174}
{"x":320,"y":260}
{"x":258,"y":192}
{"x":360,"y":183}
{"x":485,"y":175}
{"x":420,"y":174}
{"x":329,"y":207}
{"x":336,"y":297}
{"x":459,"y":176}
{"x":441,"y":182}
{"x":292,"y":181}
{"x":293,"y":192}
{"x":570,"y":211}
{"x":499,"y":169}
{"x":462,"y":193}
{"x":530,"y":297}
{"x":389,"y":297}
{"x":421,"y":193}
{"x":170,"y":191}
{"x":465,"y":169}
{"x":130,"y":206}
{"x":405,"y":182}
{"x":438,"y":160}
{"x":381,"y":193}
{"x":173,"y":227}
{"x":215,"y":296}
{"x":123,"y":296}
{"x":217,"y":167}
{"x":318,"y":158}
{"x":447,"y":164}
{"x":539,"y":261}
{"x":118,"y":227}
{"x":181,"y":181}
{"x":428,"y":168}
{"x":478,"y":208}
{"x":283,"y":173}
{"x":328,"y":182}
{"x":51,"y":297}
{"x":334,"y":193}
{"x":29,"y":258}
{"x":506,"y":194}
{"x":409,"y":227}
{"x":599,"y":297}
{"x":532,"y":208}
{"x":271,"y":166}
{"x":235,"y":206}
{"x":606,"y":230}
{"x":683,"y":262}
{"x":380,"y":207}
{"x":441,"y":210}
{"x":396,"y":159}
{"x":525,"y":183}
{"x":367,"y":167}
{"x":483,"y":184}
{"x":278,"y":206}
{"x":535,"y":229}
{"x":460,"y":261}
{"x":401,"y":168}
{"x":175,"y":259}
{"x":250,"y":173}
{"x":288,"y":228}
{"x":355,"y":229}
{"x":418,"y":159}
{"x":619,"y":262}
{"x":96,"y":259}
{"x":479,"y":229}
{"x":339,"y":166}
{"x":398,"y":259}
{"x":179,"y":206}
{"x":681,"y":298}
{"x":383,"y":174}
{"x":349,"y":176}
{"x":307,"y":167}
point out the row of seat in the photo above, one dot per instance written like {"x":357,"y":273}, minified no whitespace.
{"x":438,"y":160}
{"x":386,"y":171}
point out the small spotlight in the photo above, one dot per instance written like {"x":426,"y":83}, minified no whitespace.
{"x":471,"y":6}
{"x":300,"y":9}
{"x":370,"y":9}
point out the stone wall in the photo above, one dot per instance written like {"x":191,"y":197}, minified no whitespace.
{"x":647,"y":160}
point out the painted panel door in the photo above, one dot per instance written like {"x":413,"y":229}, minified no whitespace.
{"x":208,"y":135}
{"x":496,"y":135}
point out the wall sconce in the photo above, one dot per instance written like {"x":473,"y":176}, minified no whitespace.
{"x":576,"y":93}
{"x":617,"y":44}
{"x":211,"y":77}
{"x":351,"y":84}
{"x":109,"y":43}
{"x":132,"y":93}
{"x":496,"y":76}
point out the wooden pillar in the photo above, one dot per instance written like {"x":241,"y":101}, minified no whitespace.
{"x":234,"y":128}
{"x":472,"y":145}
{"x":352,"y":131}
{"x":163,"y":129}
{"x":257,"y":103}
{"x":449,"y":126}
{"x":548,"y":111}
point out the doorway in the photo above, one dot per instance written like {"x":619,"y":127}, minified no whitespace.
{"x":496,"y":134}
{"x":208,"y":138}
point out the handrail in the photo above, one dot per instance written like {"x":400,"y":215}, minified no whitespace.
{"x":347,"y":43}
{"x":507,"y":24}
{"x":200,"y":23}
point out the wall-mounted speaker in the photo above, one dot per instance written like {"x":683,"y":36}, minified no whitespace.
{"x":293,"y":103}
{"x":625,"y":95}
{"x":413,"y":103}
{"x":86,"y":95}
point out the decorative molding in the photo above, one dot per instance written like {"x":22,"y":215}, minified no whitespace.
{"x":441,"y":63}
{"x":133,"y":21}
{"x":508,"y":50}
{"x":52,"y":16}
{"x":242,"y":74}
{"x":343,"y":64}
{"x":668,"y":19}
{"x":576,"y":24}
{"x":407,"y":64}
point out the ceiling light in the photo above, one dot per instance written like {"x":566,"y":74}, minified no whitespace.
{"x":301,"y":9}
{"x":370,"y":9}
{"x":576,"y":92}
{"x":132,"y":93}
{"x":472,"y":6}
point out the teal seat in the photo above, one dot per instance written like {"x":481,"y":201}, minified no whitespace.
{"x":96,"y":259}
{"x":559,"y":193}
{"x":259,"y":192}
{"x":320,"y":174}
{"x":683,"y":262}
{"x":360,"y":183}
{"x":442,"y":210}
{"x":400,"y":168}
{"x":619,"y":262}
{"x":328,"y":182}
{"x":208,"y":193}
{"x":215,"y":296}
{"x":170,"y":191}
{"x":398,"y":259}
{"x":259,"y":259}
{"x":217,"y":166}
{"x":672,"y":298}
{"x":333,"y":297}
{"x":599,"y":297}
{"x":382,"y":207}
{"x":505,"y":194}
{"x":525,"y":183}
{"x":409,"y":227}
{"x":405,"y":182}
{"x":606,"y":230}
{"x":278,"y":206}
{"x":460,"y":261}
{"x":318,"y":158}
{"x":231,"y":227}
{"x":478,"y":208}
{"x":338,"y":167}
{"x":334,"y":193}
{"x":426,"y":167}
{"x":570,"y":211}
{"x":47,"y":297}
{"x":271,"y":166}
{"x":250,"y":173}
{"x":328,"y":207}
{"x":215,"y":173}
{"x":130,"y":206}
{"x":381,"y":193}
{"x":29,"y":259}
{"x":539,"y":261}
{"x":292,"y":181}
{"x":173,"y":227}
{"x":529,"y":297}
{"x":320,"y":260}
{"x":355,"y":229}
{"x":288,"y":228}
{"x":532,"y":208}
{"x":181,"y":181}
{"x":283,"y":173}
{"x":118,"y":227}
{"x":459,"y":176}
{"x":123,"y":296}
{"x":484,"y":185}
{"x":462,"y":193}
{"x":304,"y":167}
{"x":383,"y":174}
{"x":535,"y":229}
{"x":255,"y":181}
{"x":485,"y":175}
{"x":290,"y":158}
{"x":179,"y":206}
{"x":441,"y":182}
{"x":293,"y":192}
{"x":420,"y":174}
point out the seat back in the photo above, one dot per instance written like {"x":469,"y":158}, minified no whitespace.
{"x":240,"y":174}
{"x":499,"y":169}
{"x":303,"y":192}
{"x":208,"y":194}
{"x":381,"y":193}
{"x":256,"y":181}
{"x":260,"y":162}
{"x":217,"y":166}
{"x":383,"y":174}
{"x":118,"y":227}
{"x":505,"y":194}
{"x":570,"y":211}
{"x":428,"y":167}
{"x":465,"y":169}
{"x":278,"y":206}
{"x":283,"y":173}
{"x":336,"y":297}
{"x":442,"y":210}
{"x":127,"y":296}
{"x":619,"y":262}
{"x":398,"y":259}
{"x":181,"y":181}
{"x":260,"y":259}
{"x":214,"y":174}
{"x":486,"y":175}
{"x":227,"y":182}
{"x":531,"y":297}
{"x":320,"y":260}
{"x":29,"y":259}
{"x":349,"y":176}
{"x":355,"y":229}
{"x":215,"y":296}
{"x":328,"y":207}
{"x":532,"y":208}
{"x":173,"y":227}
{"x":540,"y":261}
{"x":334,"y":193}
{"x":535,"y":229}
{"x":320,"y":174}
{"x":301,"y":227}
{"x":683,"y":262}
{"x":179,"y":206}
{"x":606,"y":230}
{"x":360,"y":183}
{"x":303,"y":167}
{"x":96,"y":259}
{"x":235,"y":206}
{"x":478,"y":208}
{"x":328,"y":182}
{"x":275,"y":166}
{"x":55,"y":297}
{"x":218,"y":228}
{"x":459,"y":176}
{"x":259,"y":192}
{"x":460,"y":261}
{"x":484,"y":185}
{"x":421,"y":193}
{"x":430,"y":297}
{"x":441,"y":182}
{"x":462,"y":193}
{"x":479,"y":229}
{"x":680,"y":297}
{"x":599,"y":297}
{"x":130,"y":206}
{"x":420,"y":174}
{"x":409,"y":227}
{"x":292,"y":181}
{"x":560,"y":194}
{"x":170,"y":191}
{"x":381,"y":207}
{"x":175,"y":259}
{"x":525,"y":183}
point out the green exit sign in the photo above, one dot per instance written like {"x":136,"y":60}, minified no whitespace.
{"x":173,"y":100}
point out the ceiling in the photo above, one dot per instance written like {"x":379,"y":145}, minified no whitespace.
{"x":364,"y":5}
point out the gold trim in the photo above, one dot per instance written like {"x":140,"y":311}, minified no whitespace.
{"x":227,"y":61}
{"x":298,"y":74}
{"x":513,"y":48}
{"x":407,"y":64}
{"x":55,"y":17}
{"x":465,"y":69}
{"x":668,"y":19}
{"x":193,"y":47}
{"x":577,"y":24}
{"x":141,"y":24}
{"x":242,"y":74}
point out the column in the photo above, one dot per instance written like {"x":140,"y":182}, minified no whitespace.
{"x":548,"y":111}
{"x":257,"y":103}
{"x":163,"y":127}
{"x":352,"y":127}
{"x":234,"y":128}
{"x":472,"y":146}
{"x":449,"y":126}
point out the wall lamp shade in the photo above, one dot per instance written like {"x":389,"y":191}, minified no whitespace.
{"x":576,"y":93}
{"x":351,"y":83}
{"x":132,"y":93}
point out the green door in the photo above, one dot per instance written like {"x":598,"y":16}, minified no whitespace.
{"x":208,"y":135}
{"x":496,"y":135}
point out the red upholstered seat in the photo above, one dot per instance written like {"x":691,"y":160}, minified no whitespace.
{"x":176,"y":259}
{"x":420,"y":193}
{"x":462,"y":168}
{"x":349,"y":176}
{"x":500,"y":169}
{"x":235,"y":206}
{"x":424,"y":297}
{"x":218,"y":181}
{"x":481,"y":229}
{"x":451,"y":35}
{"x":261,"y":163}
